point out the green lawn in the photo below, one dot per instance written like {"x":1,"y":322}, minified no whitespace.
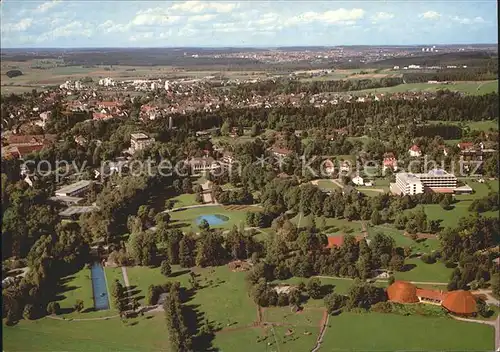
{"x":421,"y":271}
{"x":103,"y":335}
{"x":183,"y":200}
{"x":334,"y":225}
{"x":185,"y":219}
{"x":386,"y":332}
{"x":224,"y":300}
{"x":449,"y":218}
{"x":327,"y":185}
{"x":473,"y":125}
{"x":425,"y":246}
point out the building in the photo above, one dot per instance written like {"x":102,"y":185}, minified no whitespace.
{"x":280,"y":152}
{"x":402,"y":292}
{"x":203,"y":164}
{"x":74,"y":189}
{"x":358,"y":180}
{"x":436,"y":180}
{"x":389,"y":162}
{"x":338,"y":241}
{"x":415,"y":151}
{"x":407,"y":184}
{"x":460,"y":302}
{"x":139,"y":141}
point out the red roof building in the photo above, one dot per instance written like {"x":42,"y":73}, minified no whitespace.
{"x":460,"y":302}
{"x":466,"y":145}
{"x":402,"y":292}
{"x":338,"y":241}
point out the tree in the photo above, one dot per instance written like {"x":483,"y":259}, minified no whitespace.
{"x":225,"y":128}
{"x":199,"y":198}
{"x":314,"y":288}
{"x":165,"y":268}
{"x":375,"y":218}
{"x":204,"y":225}
{"x":397,"y":262}
{"x":53,"y":308}
{"x":79,"y":305}
{"x":333,"y":302}
{"x":186,"y":251}
{"x":28,"y":312}
{"x":445,"y":203}
{"x":142,"y":248}
{"x":255,"y":130}
{"x":391,"y":280}
{"x":169,"y":204}
{"x":187,"y":185}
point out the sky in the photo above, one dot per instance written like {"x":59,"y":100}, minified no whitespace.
{"x":72,"y":24}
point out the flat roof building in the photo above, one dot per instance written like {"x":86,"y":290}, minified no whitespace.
{"x":74,"y":189}
{"x":436,"y":180}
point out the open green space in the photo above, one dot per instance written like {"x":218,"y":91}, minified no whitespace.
{"x":147,"y":334}
{"x":222,"y":296}
{"x":420,"y":271}
{"x":327,"y":185}
{"x":473,"y":125}
{"x":183,"y":200}
{"x":75,"y":287}
{"x":390,"y":332}
{"x":473,"y":88}
{"x":449,"y":218}
{"x":186,"y":219}
{"x":334,"y":225}
{"x":422,"y":245}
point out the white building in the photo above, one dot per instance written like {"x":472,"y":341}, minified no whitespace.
{"x":107,"y":82}
{"x":436,"y":180}
{"x":415,"y":151}
{"x":358,"y":181}
{"x":139,"y":141}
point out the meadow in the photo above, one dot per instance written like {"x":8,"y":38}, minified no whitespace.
{"x":485,"y":125}
{"x":383,"y":332}
{"x":473,"y":88}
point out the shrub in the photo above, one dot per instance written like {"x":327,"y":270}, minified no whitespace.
{"x":428,"y":259}
{"x":165,"y":268}
{"x":29,"y":312}
{"x":283,"y":299}
{"x":382,"y":307}
{"x":53,"y":308}
{"x":79,"y":306}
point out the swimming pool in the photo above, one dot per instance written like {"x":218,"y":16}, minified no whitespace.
{"x":99,"y":287}
{"x":212,"y":219}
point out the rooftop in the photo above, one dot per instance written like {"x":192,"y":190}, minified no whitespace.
{"x":139,"y":135}
{"x":74,"y":186}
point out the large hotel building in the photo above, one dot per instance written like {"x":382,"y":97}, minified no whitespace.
{"x":436,"y":180}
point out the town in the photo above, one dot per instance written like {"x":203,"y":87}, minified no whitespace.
{"x":309,"y":198}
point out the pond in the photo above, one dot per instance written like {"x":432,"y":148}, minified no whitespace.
{"x":212,"y":219}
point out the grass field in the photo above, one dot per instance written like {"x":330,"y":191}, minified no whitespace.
{"x":389,"y":332}
{"x":185,"y":219}
{"x":420,"y":271}
{"x":183,"y":200}
{"x":425,"y":246}
{"x":334,"y":225}
{"x":473,"y":125}
{"x":473,"y":88}
{"x":148,"y":334}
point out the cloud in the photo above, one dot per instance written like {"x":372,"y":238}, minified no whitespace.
{"x":430,"y":15}
{"x":20,"y":26}
{"x":382,"y":16}
{"x":111,"y":27}
{"x":72,"y":29}
{"x":151,"y":17}
{"x":47,"y":5}
{"x":141,"y":36}
{"x":200,"y":6}
{"x":340,"y":16}
{"x":202,"y":18}
{"x":465,"y":20}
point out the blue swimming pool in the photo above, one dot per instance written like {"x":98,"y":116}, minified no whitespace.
{"x":99,"y":287}
{"x":212,"y":219}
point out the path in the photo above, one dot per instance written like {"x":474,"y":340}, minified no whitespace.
{"x":322,"y":331}
{"x":207,"y":193}
{"x":383,"y":280}
{"x":338,"y":183}
{"x":81,"y":319}
{"x":495,"y":324}
{"x":380,"y":190}
{"x":127,"y":283}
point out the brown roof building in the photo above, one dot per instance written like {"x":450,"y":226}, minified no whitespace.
{"x":402,"y":292}
{"x":460,"y":302}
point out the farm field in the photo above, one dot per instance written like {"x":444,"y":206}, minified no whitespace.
{"x":384,"y":332}
{"x":473,"y":88}
{"x":185,"y":219}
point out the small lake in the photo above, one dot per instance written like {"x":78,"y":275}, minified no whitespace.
{"x":99,"y":287}
{"x":212,"y":219}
